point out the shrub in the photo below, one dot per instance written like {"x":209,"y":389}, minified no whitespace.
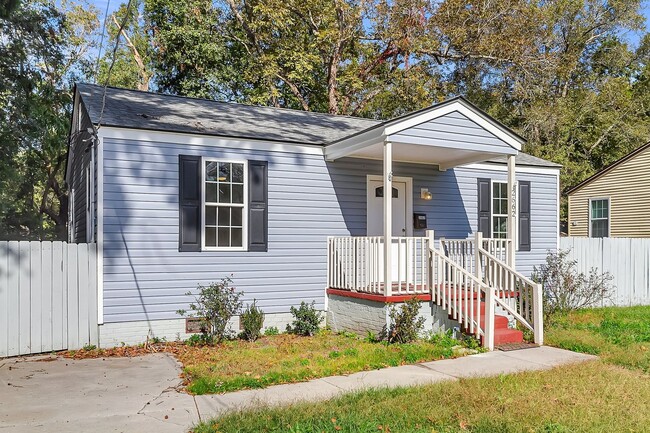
{"x":306,"y":320}
{"x":199,"y":340}
{"x":215,"y":305}
{"x":565,"y":289}
{"x":252,"y":320}
{"x":405,"y":325}
{"x":271,"y":330}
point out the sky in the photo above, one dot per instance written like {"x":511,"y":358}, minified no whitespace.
{"x":632,"y":37}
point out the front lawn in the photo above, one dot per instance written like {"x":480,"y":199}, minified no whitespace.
{"x":289,"y":358}
{"x":618,"y":335}
{"x":285,"y":358}
{"x":598,"y":396}
{"x":589,"y":397}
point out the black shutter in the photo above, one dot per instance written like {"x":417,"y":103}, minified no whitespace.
{"x":524,"y":215}
{"x":258,"y":212}
{"x":189,"y":202}
{"x":484,"y":207}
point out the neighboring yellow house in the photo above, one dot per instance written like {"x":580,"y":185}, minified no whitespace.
{"x":615,"y":202}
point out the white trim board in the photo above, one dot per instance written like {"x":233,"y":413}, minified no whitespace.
{"x":383,"y":132}
{"x":459,"y":106}
{"x":495,"y":166}
{"x":208,"y":140}
{"x":100,"y":227}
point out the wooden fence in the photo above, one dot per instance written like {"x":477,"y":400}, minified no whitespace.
{"x":626,"y":259}
{"x":48,"y":296}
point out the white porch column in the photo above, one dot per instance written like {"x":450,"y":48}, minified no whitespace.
{"x":388,"y":216}
{"x":512,"y":214}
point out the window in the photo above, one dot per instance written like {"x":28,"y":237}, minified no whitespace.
{"x":499,"y":210}
{"x":379,"y":192}
{"x":599,"y":218}
{"x":224,"y":204}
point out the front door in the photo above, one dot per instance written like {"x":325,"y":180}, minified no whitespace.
{"x":376,"y":208}
{"x":375,"y":220}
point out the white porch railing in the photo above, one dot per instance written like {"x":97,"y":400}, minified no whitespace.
{"x":463,"y":251}
{"x":460,"y":275}
{"x":460,"y":293}
{"x":356,"y":263}
{"x":516,"y":294}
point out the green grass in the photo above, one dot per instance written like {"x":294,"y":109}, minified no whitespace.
{"x":591,"y":397}
{"x":618,"y":335}
{"x":285,"y":358}
{"x":608,"y":395}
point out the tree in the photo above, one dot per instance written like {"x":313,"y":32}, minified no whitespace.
{"x":127,"y":57}
{"x":42,"y":50}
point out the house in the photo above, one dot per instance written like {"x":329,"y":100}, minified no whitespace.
{"x":615,"y":201}
{"x":178,"y":191}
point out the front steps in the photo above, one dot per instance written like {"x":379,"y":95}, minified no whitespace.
{"x":502,"y":334}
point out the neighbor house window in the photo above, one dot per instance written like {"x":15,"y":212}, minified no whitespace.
{"x":599,"y":218}
{"x":499,"y":210}
{"x":224,"y":204}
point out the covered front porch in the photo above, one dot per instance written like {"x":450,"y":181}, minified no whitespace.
{"x":469,"y":277}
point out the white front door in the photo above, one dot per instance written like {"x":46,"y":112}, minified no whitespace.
{"x":376,"y":208}
{"x":375,"y":199}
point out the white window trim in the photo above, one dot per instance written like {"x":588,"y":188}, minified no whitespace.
{"x":609,"y":214}
{"x":244,"y":246}
{"x":492,"y":182}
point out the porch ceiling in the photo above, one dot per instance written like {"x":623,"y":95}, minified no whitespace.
{"x":444,"y":157}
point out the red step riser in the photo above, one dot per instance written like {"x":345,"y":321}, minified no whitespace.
{"x":506,"y":336}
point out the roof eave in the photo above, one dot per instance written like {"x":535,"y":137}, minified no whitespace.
{"x":608,"y":168}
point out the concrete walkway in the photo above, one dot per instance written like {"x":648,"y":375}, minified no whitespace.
{"x":141,"y":394}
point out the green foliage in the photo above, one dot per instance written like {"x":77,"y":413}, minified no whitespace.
{"x":405,"y":325}
{"x":199,"y":340}
{"x":306,"y":320}
{"x":215,"y":305}
{"x":560,"y":73}
{"x":618,"y":335}
{"x":252,"y":320}
{"x":271,"y":330}
{"x":43,"y":48}
{"x":89,"y":347}
{"x":565,"y":289}
{"x":288,"y":358}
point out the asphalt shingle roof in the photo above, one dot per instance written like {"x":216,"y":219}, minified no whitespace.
{"x":136,"y":109}
{"x":145,"y":110}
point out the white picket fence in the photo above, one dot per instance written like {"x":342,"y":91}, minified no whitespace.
{"x":626,"y":259}
{"x":48,"y":296}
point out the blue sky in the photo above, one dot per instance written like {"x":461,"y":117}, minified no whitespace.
{"x":632,"y":37}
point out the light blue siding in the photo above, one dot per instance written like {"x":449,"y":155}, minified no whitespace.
{"x":454,"y":131}
{"x":146,"y":277}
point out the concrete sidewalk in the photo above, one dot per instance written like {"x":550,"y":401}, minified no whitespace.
{"x":141,"y":394}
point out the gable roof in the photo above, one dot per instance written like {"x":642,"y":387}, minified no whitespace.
{"x":609,"y":168}
{"x":136,"y":109}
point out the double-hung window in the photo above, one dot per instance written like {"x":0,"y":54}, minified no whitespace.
{"x":224,"y":204}
{"x":499,"y":210}
{"x":599,"y":217}
{"x":494,"y":207}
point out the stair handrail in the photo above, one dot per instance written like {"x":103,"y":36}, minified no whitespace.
{"x":458,"y":279}
{"x":528,"y":302}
